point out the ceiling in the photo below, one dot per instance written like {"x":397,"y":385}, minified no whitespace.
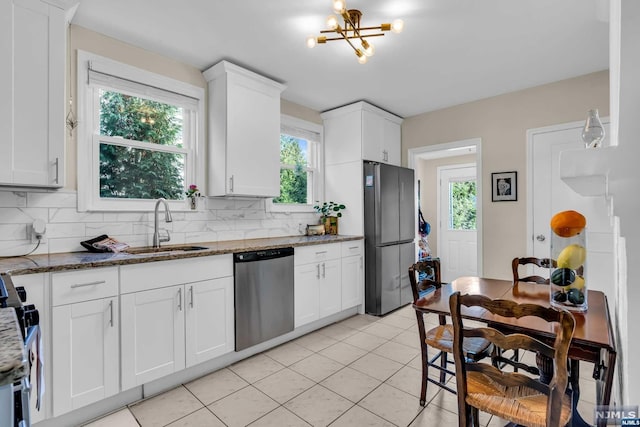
{"x":450,"y":52}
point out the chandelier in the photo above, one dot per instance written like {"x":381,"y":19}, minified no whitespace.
{"x":352,"y":31}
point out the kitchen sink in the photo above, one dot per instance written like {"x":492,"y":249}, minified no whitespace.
{"x":164,"y":249}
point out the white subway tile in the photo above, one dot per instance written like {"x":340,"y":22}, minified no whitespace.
{"x":52,"y":200}
{"x":13,"y":199}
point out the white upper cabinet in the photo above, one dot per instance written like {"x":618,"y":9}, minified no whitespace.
{"x":244,"y":132}
{"x":32,"y":93}
{"x":362,"y":131}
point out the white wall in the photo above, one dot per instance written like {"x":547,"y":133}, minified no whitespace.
{"x":501,"y":122}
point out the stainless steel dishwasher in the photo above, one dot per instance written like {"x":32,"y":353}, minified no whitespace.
{"x":263,"y":295}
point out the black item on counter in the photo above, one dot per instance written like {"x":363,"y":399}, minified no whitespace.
{"x":88,"y":244}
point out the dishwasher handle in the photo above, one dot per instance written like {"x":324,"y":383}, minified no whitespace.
{"x":262,"y":255}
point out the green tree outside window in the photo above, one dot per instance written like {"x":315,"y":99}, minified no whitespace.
{"x":137,"y":173}
{"x":293,"y":172}
{"x":463,"y":205}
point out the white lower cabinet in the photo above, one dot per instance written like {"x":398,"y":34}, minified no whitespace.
{"x":85,"y":339}
{"x":317,"y":282}
{"x":169,"y":327}
{"x":352,"y":273}
{"x":209,"y":320}
{"x":153,"y":335}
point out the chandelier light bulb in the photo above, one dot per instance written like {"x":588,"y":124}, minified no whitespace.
{"x":397,"y":26}
{"x":311,"y":42}
{"x":332,"y":22}
{"x":367,"y":48}
{"x":339,"y":6}
{"x":362,"y":58}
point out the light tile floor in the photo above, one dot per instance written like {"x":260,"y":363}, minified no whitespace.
{"x":362,"y":371}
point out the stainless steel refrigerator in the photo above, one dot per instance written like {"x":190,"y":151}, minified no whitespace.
{"x":389,"y":230}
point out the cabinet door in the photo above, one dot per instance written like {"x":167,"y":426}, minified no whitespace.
{"x":32,"y":93}
{"x":209,"y":319}
{"x":153,"y":339}
{"x":391,"y":142}
{"x":372,"y":136}
{"x":330,"y":288}
{"x":306,"y":279}
{"x":85,"y":353}
{"x":253,"y":141}
{"x":343,"y":138}
{"x":352,"y":281}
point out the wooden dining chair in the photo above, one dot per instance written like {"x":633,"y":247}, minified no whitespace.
{"x":423,"y":275}
{"x":540,"y":262}
{"x":512,"y":396}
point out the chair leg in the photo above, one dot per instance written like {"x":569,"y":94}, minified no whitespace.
{"x":475,"y":414}
{"x":443,"y":363}
{"x":425,"y":375}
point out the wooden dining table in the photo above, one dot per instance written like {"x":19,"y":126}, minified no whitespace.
{"x":593,"y":339}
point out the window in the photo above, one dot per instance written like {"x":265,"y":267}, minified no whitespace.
{"x":141,"y":136}
{"x":462,"y":205}
{"x":300,"y":176}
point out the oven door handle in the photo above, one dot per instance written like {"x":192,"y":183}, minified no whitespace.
{"x":32,"y":335}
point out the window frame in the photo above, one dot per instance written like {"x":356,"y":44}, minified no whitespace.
{"x":89,"y":138}
{"x":317,"y":187}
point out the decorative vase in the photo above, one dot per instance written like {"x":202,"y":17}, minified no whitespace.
{"x":568,"y":287}
{"x":193,"y":203}
{"x":593,"y":131}
{"x":331,"y":224}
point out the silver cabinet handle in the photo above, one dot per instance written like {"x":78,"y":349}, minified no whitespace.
{"x":82,"y":285}
{"x":57,"y":170}
{"x":191,"y":295}
{"x":111,"y":313}
{"x":321,"y":252}
{"x":540,"y":238}
{"x":361,"y":261}
{"x":318,"y":274}
{"x":180,"y":299}
{"x":231,"y":184}
{"x":323,"y":271}
{"x":353,"y":247}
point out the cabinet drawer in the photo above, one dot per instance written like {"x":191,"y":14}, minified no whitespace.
{"x":316,"y":253}
{"x":142,"y":277}
{"x":76,"y":286}
{"x":353,"y":247}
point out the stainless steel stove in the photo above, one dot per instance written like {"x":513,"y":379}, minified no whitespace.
{"x":28,"y":319}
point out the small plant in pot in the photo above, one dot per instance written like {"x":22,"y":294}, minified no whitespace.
{"x":330,"y":212}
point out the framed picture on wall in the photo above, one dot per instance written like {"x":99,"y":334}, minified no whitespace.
{"x":504,"y":186}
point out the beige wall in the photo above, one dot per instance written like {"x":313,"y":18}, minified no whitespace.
{"x":501,"y":122}
{"x":427,"y":173}
{"x":90,"y":41}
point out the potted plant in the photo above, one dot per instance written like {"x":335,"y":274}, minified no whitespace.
{"x":192,"y":194}
{"x":330,"y":212}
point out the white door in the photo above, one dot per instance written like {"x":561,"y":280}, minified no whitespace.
{"x":209,"y":319}
{"x":330,"y":288}
{"x":153,"y":335}
{"x":457,"y":236}
{"x":305,"y":295}
{"x":549,"y":195}
{"x":85,"y":353}
{"x":352,"y":281}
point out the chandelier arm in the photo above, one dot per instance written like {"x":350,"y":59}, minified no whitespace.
{"x":352,"y":37}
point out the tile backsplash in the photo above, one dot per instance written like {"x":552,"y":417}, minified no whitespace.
{"x":222,"y":219}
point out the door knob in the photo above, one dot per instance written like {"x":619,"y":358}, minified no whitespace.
{"x":540,"y":238}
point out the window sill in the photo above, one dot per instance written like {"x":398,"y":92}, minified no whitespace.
{"x":285,"y":208}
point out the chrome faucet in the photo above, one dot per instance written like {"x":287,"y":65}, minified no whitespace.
{"x":167,"y":218}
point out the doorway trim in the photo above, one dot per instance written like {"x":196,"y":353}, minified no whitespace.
{"x":450,"y":149}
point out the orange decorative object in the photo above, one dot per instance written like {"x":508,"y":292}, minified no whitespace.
{"x":568,"y":223}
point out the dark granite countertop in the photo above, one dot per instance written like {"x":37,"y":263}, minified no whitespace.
{"x":83,"y":260}
{"x":13,"y":360}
